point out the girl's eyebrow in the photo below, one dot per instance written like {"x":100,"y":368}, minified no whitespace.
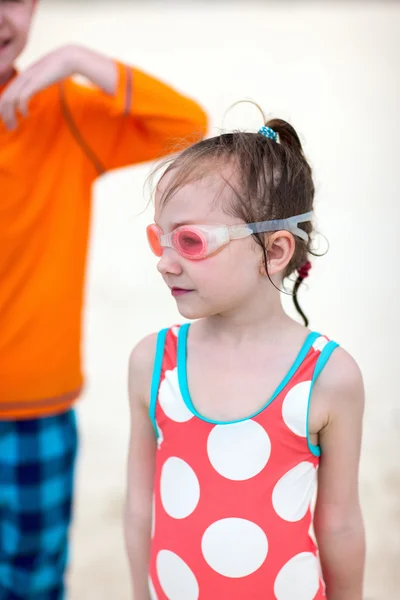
{"x":201,"y":221}
{"x":180,"y":224}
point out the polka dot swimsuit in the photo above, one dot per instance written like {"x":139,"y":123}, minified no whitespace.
{"x":232,"y":515}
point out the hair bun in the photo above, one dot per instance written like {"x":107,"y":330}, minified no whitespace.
{"x":287,"y":134}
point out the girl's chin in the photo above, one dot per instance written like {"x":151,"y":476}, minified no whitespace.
{"x":194,"y":313}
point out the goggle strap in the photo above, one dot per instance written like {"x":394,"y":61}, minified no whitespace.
{"x":289,"y":224}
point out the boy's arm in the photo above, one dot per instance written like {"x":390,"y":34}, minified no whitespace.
{"x":143,"y":119}
{"x":338,"y":520}
{"x":125,"y":116}
{"x":52,"y":68}
{"x":141,"y":465}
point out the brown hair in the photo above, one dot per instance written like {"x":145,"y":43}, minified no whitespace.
{"x":273,"y":181}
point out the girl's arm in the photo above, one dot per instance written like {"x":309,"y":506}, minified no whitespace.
{"x":141,"y":464}
{"x":338,"y":520}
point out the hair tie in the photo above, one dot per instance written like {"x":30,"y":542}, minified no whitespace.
{"x":268,"y":133}
{"x":304,"y":270}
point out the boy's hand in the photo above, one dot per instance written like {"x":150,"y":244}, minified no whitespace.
{"x":54,"y":67}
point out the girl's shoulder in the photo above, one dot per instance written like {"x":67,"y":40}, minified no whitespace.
{"x":145,"y":354}
{"x":143,"y":351}
{"x":341,"y":372}
{"x":140,"y":368}
{"x":340,"y":386}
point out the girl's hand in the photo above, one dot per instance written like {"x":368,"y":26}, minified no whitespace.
{"x":54,"y":67}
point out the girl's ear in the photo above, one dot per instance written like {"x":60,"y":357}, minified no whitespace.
{"x":280,"y":247}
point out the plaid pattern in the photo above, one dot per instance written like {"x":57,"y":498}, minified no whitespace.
{"x":37,"y":460}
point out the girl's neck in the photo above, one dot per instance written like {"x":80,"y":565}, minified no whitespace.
{"x":263,"y":321}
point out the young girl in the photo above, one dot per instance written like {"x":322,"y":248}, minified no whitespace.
{"x":237,"y":416}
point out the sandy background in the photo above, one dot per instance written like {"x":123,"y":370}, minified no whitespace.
{"x":333,"y":70}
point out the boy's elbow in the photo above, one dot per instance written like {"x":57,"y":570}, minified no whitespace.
{"x":196,"y":124}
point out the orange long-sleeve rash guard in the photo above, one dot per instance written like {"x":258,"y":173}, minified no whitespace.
{"x":47,"y":168}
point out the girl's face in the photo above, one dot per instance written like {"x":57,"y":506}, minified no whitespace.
{"x":221,"y":282}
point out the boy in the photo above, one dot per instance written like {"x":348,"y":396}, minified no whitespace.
{"x":56,"y":137}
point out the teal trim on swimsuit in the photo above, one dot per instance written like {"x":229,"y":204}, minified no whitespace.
{"x":321,"y":362}
{"x":155,"y":379}
{"x":183,"y":382}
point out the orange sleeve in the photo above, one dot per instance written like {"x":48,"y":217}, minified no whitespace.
{"x":143,"y":120}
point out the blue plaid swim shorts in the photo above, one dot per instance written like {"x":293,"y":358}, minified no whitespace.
{"x":37,"y":459}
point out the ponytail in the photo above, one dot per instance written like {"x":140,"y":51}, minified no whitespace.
{"x":290,"y":141}
{"x":303,"y":273}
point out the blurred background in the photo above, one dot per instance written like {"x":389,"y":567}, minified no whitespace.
{"x":332,"y":70}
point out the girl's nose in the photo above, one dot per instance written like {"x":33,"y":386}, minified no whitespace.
{"x":169,"y":263}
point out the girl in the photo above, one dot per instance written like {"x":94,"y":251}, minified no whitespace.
{"x":236,"y":416}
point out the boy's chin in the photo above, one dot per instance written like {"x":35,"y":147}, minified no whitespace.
{"x":7,"y":68}
{"x":6,"y":73}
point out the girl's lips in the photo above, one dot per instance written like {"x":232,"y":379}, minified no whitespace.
{"x":175,"y":291}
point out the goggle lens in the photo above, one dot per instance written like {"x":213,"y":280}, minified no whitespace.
{"x":190,"y":243}
{"x":153,"y":237}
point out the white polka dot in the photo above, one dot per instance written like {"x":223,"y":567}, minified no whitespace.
{"x":294,"y":492}
{"x":171,"y":400}
{"x":239,"y":451}
{"x":294,"y":408}
{"x":298,"y":579}
{"x":153,"y":595}
{"x":175,"y":330}
{"x":320,"y":343}
{"x":311,"y":533}
{"x":180,"y":489}
{"x":160,"y":437}
{"x":234,"y":547}
{"x":176,"y":578}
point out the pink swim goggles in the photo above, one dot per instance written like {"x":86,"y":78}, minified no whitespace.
{"x":198,"y":241}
